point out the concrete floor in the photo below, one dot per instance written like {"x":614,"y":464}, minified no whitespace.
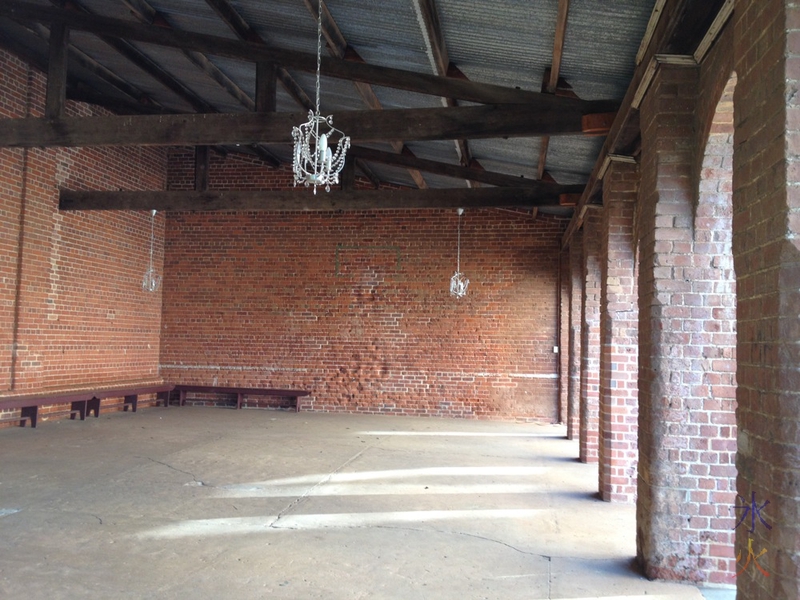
{"x":216,"y":503}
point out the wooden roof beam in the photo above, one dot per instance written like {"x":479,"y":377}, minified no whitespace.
{"x":417,"y":124}
{"x":297,"y":201}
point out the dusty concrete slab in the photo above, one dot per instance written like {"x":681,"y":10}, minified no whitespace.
{"x":216,"y":503}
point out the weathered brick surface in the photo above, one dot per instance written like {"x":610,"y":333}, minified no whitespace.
{"x":70,"y":283}
{"x":766,"y":226}
{"x":590,"y":338}
{"x":355,"y":306}
{"x":687,"y":427}
{"x":619,"y":313}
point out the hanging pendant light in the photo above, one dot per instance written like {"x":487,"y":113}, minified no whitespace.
{"x":151,"y":280}
{"x":319,"y":148}
{"x":459,"y":283}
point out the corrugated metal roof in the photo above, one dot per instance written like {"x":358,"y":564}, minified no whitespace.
{"x":503,"y":42}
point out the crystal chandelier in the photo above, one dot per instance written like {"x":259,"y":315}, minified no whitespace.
{"x":314,"y":161}
{"x":151,"y":280}
{"x":459,"y":283}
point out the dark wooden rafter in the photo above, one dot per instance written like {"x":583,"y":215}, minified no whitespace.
{"x":266,"y":87}
{"x":57,"y":72}
{"x":242,"y":29}
{"x":296,"y":200}
{"x":432,"y":30}
{"x":144,"y":102}
{"x":143,"y":11}
{"x":331,"y":67}
{"x":419,"y":124}
{"x":201,"y":163}
{"x":135,"y":56}
{"x":479,"y":175}
{"x":551,"y":84}
{"x":339,"y":48}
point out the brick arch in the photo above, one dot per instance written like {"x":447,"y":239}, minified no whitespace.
{"x":687,"y":425}
{"x":714,"y":339}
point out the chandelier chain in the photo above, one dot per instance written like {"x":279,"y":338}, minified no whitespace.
{"x":319,"y":48}
{"x":319,"y":156}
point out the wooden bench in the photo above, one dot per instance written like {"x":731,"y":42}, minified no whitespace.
{"x":240,"y":393}
{"x":81,"y":402}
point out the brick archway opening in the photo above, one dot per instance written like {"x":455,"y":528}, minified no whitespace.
{"x":711,"y":455}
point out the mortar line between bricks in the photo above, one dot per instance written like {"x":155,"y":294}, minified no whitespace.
{"x":321,"y":482}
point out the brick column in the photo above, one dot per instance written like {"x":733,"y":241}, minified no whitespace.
{"x":619,"y":351}
{"x":575,"y":304}
{"x":563,"y":338}
{"x":590,"y":338}
{"x":667,"y":545}
{"x":766,"y":249}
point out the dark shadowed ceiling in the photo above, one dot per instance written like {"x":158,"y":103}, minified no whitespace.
{"x":580,"y":54}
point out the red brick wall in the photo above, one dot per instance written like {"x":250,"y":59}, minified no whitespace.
{"x":355,"y":306}
{"x":766,"y":229}
{"x":72,"y":300}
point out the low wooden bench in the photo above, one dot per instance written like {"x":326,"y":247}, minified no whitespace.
{"x":240,"y":393}
{"x":81,"y":402}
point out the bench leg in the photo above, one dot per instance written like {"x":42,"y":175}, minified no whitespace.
{"x":29,"y":412}
{"x":80,"y":407}
{"x":182,"y":398}
{"x":163,"y":397}
{"x":93,"y":405}
{"x":297,"y":404}
{"x":239,"y":398}
{"x":133,"y":400}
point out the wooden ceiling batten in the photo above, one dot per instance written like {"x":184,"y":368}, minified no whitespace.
{"x":551,"y":84}
{"x":440,"y":59}
{"x":457,"y":171}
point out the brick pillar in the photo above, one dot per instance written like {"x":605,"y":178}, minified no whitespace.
{"x":766,"y":249}
{"x":563,"y":338}
{"x":590,"y":338}
{"x":668,"y":546}
{"x":619,"y":351}
{"x":575,"y":304}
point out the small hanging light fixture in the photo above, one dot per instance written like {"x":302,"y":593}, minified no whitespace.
{"x":459,"y":283}
{"x":151,"y":280}
{"x":314,"y":162}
